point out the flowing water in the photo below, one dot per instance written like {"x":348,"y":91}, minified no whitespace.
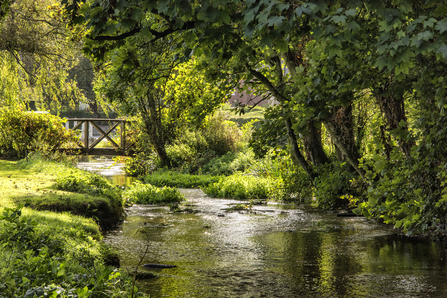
{"x":275,"y":250}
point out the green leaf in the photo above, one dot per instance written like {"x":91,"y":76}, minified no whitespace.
{"x":335,"y":50}
{"x":381,"y":62}
{"x":351,"y":12}
{"x":329,"y":29}
{"x":425,"y":35}
{"x":443,"y":51}
{"x":302,"y":9}
{"x":339,"y":19}
{"x":429,"y":23}
{"x":249,"y":14}
{"x":353,"y":26}
{"x":276,"y":20}
{"x":441,"y":26}
{"x":190,"y":37}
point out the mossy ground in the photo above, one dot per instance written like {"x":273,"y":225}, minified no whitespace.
{"x":64,"y":251}
{"x":33,"y":181}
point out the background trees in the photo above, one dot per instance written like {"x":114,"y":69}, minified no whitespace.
{"x":366,"y":75}
{"x":35,"y":54}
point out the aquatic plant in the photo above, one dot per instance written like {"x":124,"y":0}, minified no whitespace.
{"x":171,"y":178}
{"x":139,"y":193}
{"x":242,"y":187}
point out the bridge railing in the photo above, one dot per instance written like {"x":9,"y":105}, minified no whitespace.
{"x":89,"y":142}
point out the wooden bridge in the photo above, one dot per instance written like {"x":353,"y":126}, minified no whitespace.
{"x":95,"y":130}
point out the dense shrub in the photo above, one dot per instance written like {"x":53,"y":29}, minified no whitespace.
{"x":229,"y":163}
{"x":241,"y":187}
{"x":333,"y":185}
{"x":222,"y":135}
{"x":22,"y":132}
{"x":49,"y":255}
{"x":175,"y":179}
{"x":139,"y":193}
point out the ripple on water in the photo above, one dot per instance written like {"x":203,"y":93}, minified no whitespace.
{"x":276,"y":251}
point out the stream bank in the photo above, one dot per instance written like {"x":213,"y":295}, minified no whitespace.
{"x":273,"y":250}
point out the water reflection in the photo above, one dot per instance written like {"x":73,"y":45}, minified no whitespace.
{"x":276,"y":251}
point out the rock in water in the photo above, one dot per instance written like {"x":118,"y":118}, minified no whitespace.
{"x":158,"y":266}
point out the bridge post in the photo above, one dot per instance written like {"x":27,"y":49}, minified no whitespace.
{"x":85,"y":133}
{"x":122,"y":135}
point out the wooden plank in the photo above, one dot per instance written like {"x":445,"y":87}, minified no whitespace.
{"x":96,"y":119}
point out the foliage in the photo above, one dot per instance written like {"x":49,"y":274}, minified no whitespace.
{"x":229,"y":163}
{"x":165,"y":177}
{"x":139,"y":193}
{"x":63,"y":263}
{"x":293,"y":183}
{"x":23,"y":132}
{"x":334,"y":185}
{"x":36,"y":50}
{"x":337,"y":70}
{"x":88,"y":183}
{"x":222,"y":135}
{"x":241,"y":187}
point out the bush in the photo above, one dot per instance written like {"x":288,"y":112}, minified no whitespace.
{"x":48,"y":255}
{"x":333,"y":185}
{"x":141,"y":164}
{"x":222,"y":135}
{"x":229,"y":163}
{"x":22,"y":132}
{"x":139,"y":193}
{"x":175,"y":179}
{"x":241,"y":187}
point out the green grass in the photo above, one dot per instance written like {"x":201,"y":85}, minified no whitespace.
{"x":256,"y":113}
{"x":43,"y":251}
{"x":60,"y":187}
{"x":139,"y":193}
{"x":242,"y":187}
{"x":164,"y":177}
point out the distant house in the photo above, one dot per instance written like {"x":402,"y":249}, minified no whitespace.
{"x":248,"y":99}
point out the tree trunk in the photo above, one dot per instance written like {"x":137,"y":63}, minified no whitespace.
{"x":154,"y":128}
{"x":296,"y":151}
{"x":340,"y":127}
{"x":313,"y":145}
{"x":392,"y":107}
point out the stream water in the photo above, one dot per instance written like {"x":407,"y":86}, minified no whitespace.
{"x":276,"y":250}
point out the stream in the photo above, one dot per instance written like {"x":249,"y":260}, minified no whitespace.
{"x":274,"y":250}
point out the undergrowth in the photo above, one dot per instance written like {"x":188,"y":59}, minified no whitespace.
{"x":241,"y":187}
{"x":165,"y":177}
{"x":139,"y":193}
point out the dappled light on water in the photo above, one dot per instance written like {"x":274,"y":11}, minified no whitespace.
{"x":275,"y":250}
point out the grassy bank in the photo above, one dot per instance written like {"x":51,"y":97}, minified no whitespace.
{"x":56,"y":254}
{"x":57,"y":187}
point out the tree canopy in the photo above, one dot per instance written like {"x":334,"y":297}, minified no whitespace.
{"x":35,"y":54}
{"x":368,"y":75}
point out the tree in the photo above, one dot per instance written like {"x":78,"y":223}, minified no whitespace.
{"x":316,"y":58}
{"x":168,"y":96}
{"x":34,"y":54}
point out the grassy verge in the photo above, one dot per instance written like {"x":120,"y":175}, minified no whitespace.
{"x":139,"y":193}
{"x":242,"y":187}
{"x":55,"y":254}
{"x":57,"y":187}
{"x":162,"y":178}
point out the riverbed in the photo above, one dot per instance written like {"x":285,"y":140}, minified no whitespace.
{"x":274,"y":250}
